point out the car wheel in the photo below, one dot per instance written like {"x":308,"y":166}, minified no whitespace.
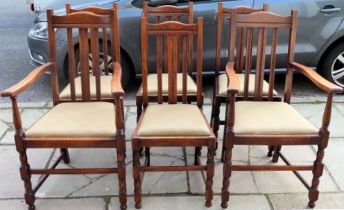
{"x":332,"y":67}
{"x":126,"y":74}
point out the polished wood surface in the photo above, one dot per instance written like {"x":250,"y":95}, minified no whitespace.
{"x":265,"y":22}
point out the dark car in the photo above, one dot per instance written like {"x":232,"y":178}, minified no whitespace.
{"x":320,"y":40}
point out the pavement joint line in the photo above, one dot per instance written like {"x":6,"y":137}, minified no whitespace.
{"x":269,"y":201}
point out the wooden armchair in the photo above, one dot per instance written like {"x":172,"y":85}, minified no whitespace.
{"x":242,"y":60}
{"x":158,"y":15}
{"x":269,"y":122}
{"x":173,"y":124}
{"x":99,"y":62}
{"x":84,"y":122}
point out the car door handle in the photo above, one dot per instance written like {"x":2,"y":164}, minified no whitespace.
{"x":330,"y":10}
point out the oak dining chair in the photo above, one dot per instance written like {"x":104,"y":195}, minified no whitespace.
{"x":165,"y":122}
{"x":83,"y":121}
{"x":263,"y":121}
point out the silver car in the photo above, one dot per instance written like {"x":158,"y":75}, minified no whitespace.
{"x":320,"y":40}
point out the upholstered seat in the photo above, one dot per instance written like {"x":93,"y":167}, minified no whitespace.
{"x":105,"y":88}
{"x":173,"y":120}
{"x":223,"y":84}
{"x":85,"y":119}
{"x":270,"y":118}
{"x":152,"y":84}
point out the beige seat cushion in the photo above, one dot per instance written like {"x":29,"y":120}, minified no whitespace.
{"x":91,"y":119}
{"x":105,"y":88}
{"x":223,"y":85}
{"x":152,"y":84}
{"x":173,"y":120}
{"x":270,"y":118}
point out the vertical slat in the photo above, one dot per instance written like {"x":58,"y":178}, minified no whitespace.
{"x":185,"y":53}
{"x":95,"y":60}
{"x":199,"y":61}
{"x":105,"y":52}
{"x":218,"y":39}
{"x":238,"y":53}
{"x":116,"y":34}
{"x":272,"y":63}
{"x":190,"y":50}
{"x":159,"y":66}
{"x":144,"y":54}
{"x":248,"y":60}
{"x":71,"y":63}
{"x":260,"y":64}
{"x":169,"y":63}
{"x":84,"y":66}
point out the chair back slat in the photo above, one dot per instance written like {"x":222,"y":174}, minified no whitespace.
{"x":225,"y":15}
{"x":172,"y":37}
{"x":94,"y":27}
{"x":259,"y":32}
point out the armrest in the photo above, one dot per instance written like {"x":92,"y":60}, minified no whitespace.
{"x":233,"y":84}
{"x":318,"y":80}
{"x":116,"y":86}
{"x":25,"y":83}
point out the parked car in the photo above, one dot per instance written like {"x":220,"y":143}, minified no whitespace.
{"x":320,"y":40}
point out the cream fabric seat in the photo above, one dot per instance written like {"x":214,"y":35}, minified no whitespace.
{"x":270,"y":118}
{"x":173,"y":120}
{"x":223,"y":85}
{"x":152,"y":84}
{"x":87,"y":119}
{"x":105,"y":88}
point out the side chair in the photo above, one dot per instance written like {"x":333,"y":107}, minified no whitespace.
{"x":81,"y":122}
{"x":165,"y":122}
{"x":267,"y":122}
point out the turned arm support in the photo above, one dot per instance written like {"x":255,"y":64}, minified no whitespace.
{"x":232,"y":91}
{"x":118,"y":93}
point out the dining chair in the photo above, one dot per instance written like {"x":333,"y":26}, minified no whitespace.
{"x":165,"y":122}
{"x":103,"y":61}
{"x":158,"y":15}
{"x":81,"y":122}
{"x":267,"y":122}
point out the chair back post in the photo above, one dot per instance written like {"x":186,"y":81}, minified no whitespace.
{"x":52,"y":58}
{"x":291,"y":50}
{"x":144,"y":60}
{"x":199,"y":61}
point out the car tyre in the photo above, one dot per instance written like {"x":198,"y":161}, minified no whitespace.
{"x":332,"y":67}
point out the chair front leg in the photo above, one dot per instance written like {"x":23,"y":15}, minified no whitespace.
{"x":121,"y":175}
{"x":198,"y":151}
{"x":137,"y":177}
{"x":139,"y":102}
{"x":216,"y":118}
{"x":276,"y":153}
{"x":210,"y":173}
{"x":227,"y":169}
{"x":318,"y":168}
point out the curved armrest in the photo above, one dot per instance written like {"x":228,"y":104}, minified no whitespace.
{"x":116,"y":86}
{"x":318,"y":80}
{"x":233,"y":83}
{"x":25,"y":83}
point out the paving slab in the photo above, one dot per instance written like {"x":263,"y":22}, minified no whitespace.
{"x":30,"y":116}
{"x":300,"y":201}
{"x":334,"y":160}
{"x":314,"y":113}
{"x":6,"y":115}
{"x":3,"y":128}
{"x":130,"y":122}
{"x":257,"y":202}
{"x":8,"y":138}
{"x":56,"y":204}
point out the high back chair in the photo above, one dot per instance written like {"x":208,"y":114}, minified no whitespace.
{"x":83,"y":122}
{"x":159,"y":15}
{"x":169,"y":123}
{"x":99,"y":62}
{"x":263,"y":121}
{"x":242,"y":64}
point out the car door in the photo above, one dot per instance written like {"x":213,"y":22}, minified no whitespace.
{"x":318,"y":20}
{"x":208,"y":10}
